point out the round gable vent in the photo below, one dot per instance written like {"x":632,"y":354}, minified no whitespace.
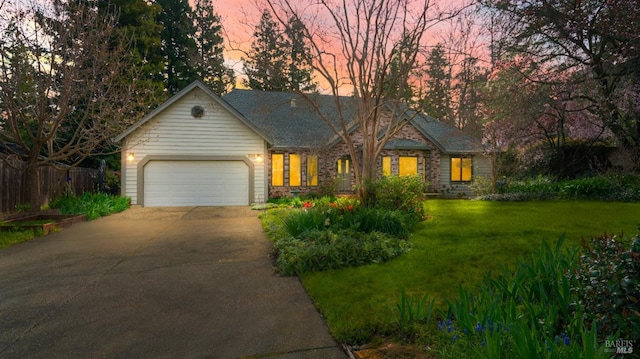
{"x":197,"y":111}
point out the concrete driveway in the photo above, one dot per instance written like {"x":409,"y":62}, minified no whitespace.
{"x":156,"y":283}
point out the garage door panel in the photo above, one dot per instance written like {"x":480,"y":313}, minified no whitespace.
{"x":196,"y":183}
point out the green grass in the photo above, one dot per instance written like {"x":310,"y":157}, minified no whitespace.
{"x":14,"y":236}
{"x":459,"y":244}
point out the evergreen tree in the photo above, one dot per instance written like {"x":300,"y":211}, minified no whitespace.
{"x":178,"y":44}
{"x":209,"y":60}
{"x":136,"y":20}
{"x":437,"y":99}
{"x":300,"y":77}
{"x":279,"y":59}
{"x":265,"y":68}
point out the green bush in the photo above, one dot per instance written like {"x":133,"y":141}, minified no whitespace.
{"x":607,"y":284}
{"x":612,"y":187}
{"x":482,"y":186}
{"x":361,"y":219}
{"x":403,"y":193}
{"x":93,"y":205}
{"x":394,"y":223}
{"x":326,"y":249}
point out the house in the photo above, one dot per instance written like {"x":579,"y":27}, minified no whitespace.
{"x":246,"y":146}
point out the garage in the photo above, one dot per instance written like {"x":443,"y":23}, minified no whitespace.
{"x":196,"y":183}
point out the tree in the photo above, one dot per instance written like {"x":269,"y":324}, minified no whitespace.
{"x":467,"y":89}
{"x":299,"y":71}
{"x":178,"y":44}
{"x":62,"y":100}
{"x":135,"y":20}
{"x":209,"y":60}
{"x":279,"y":60}
{"x":437,"y":99}
{"x":593,"y":43}
{"x":266,"y":62}
{"x":354,"y":45}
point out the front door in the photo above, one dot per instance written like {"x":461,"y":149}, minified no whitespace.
{"x":343,"y":175}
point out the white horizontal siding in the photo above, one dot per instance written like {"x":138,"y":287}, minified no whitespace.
{"x":175,"y":132}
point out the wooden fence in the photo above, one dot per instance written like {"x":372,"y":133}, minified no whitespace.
{"x":54,"y":183}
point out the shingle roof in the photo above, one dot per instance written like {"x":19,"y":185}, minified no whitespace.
{"x":300,"y":126}
{"x":287,"y":118}
{"x":448,"y":139}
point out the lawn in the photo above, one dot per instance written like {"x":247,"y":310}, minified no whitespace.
{"x":459,"y":243}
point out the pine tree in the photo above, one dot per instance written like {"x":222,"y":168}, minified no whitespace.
{"x":265,"y":68}
{"x":437,"y":100}
{"x":178,"y":44}
{"x":279,"y":59}
{"x":136,"y":20}
{"x":209,"y":60}
{"x":300,"y":77}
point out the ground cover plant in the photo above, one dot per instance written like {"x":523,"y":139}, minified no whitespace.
{"x":313,"y":234}
{"x":456,"y":248}
{"x":91,"y":204}
{"x":14,"y":236}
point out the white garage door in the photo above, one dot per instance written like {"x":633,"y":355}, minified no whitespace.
{"x":196,"y":183}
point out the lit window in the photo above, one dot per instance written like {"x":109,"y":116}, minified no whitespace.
{"x":277,"y":169}
{"x":461,"y":169}
{"x":386,"y":166}
{"x":294,"y":170}
{"x":312,"y":170}
{"x":407,"y":166}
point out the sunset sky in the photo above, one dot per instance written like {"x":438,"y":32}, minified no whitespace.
{"x":239,"y":18}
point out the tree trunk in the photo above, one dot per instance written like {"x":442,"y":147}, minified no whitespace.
{"x":31,"y":189}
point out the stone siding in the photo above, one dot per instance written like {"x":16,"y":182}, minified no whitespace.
{"x":428,"y":164}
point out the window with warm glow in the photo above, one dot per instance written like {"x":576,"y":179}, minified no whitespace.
{"x":407,"y":166}
{"x":343,"y":165}
{"x":461,"y":169}
{"x":312,"y":170}
{"x":277,"y":169}
{"x":294,"y":170}
{"x":386,"y":166}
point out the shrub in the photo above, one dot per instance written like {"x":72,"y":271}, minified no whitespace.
{"x":403,"y":193}
{"x":612,"y":187}
{"x":378,"y":220}
{"x":607,"y":283}
{"x":482,"y":186}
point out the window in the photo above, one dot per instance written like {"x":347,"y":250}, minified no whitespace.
{"x":277,"y":169}
{"x":461,"y":169}
{"x":294,"y":170}
{"x":312,"y":170}
{"x":407,"y":166}
{"x":386,"y":166}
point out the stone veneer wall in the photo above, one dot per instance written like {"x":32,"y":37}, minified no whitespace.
{"x":428,"y":164}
